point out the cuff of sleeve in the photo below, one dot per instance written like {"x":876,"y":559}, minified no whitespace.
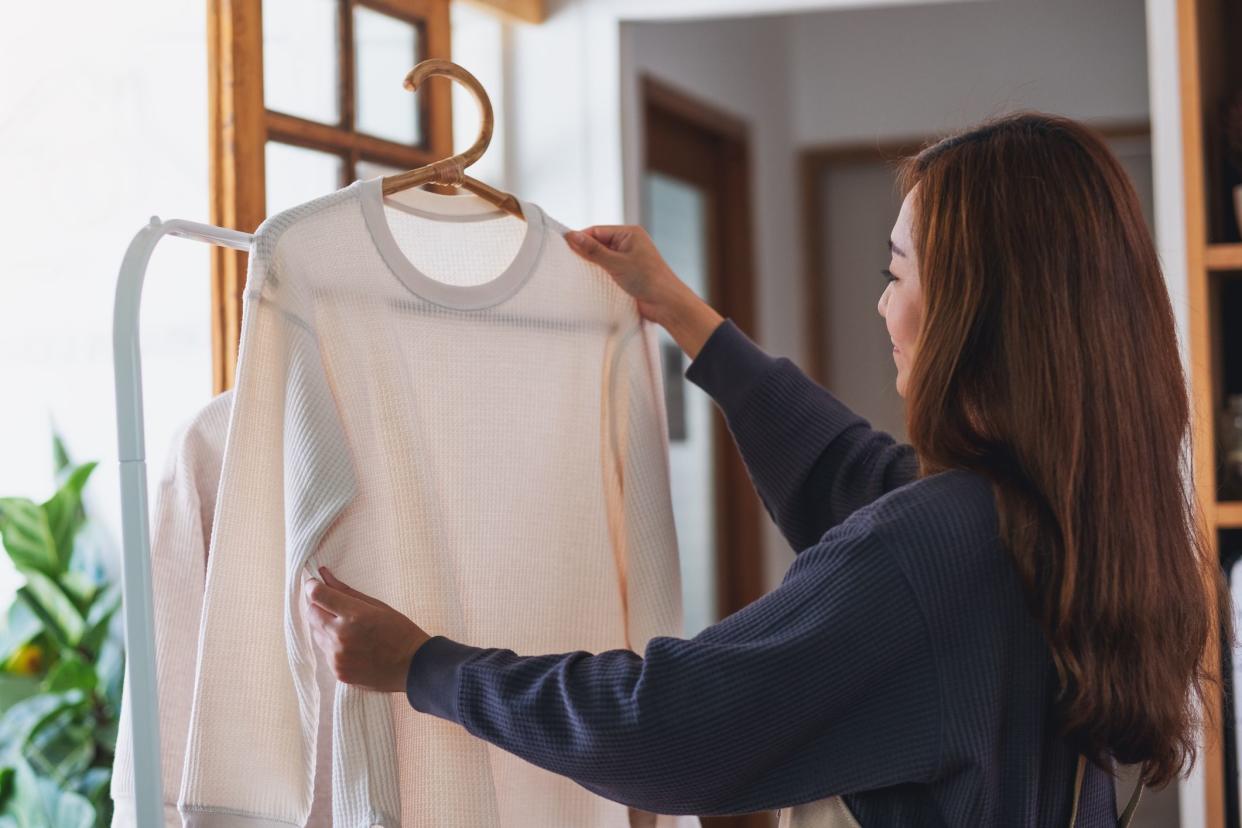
{"x":434,"y":676}
{"x":729,"y":365}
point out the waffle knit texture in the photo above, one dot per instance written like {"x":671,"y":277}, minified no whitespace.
{"x":185,"y":498}
{"x":461,"y":417}
{"x":181,"y":533}
{"x":896,"y":665}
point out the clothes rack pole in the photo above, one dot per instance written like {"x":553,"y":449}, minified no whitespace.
{"x":136,"y":547}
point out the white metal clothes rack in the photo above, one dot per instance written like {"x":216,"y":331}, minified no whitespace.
{"x":136,"y":592}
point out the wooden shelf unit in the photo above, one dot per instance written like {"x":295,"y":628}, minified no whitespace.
{"x":1229,"y":515}
{"x":1210,"y":72}
{"x":1223,"y":257}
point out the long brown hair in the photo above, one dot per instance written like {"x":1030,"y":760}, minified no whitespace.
{"x":1048,"y":362}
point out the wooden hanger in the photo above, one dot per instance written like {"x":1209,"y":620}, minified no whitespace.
{"x":451,"y":171}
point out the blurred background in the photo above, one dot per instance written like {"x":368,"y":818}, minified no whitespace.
{"x":754,"y":138}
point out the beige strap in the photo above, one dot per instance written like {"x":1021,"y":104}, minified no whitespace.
{"x":1128,"y":813}
{"x":1123,"y":821}
{"x":1078,"y":774}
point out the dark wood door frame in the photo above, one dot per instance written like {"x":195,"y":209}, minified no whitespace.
{"x":691,"y":141}
{"x":695,"y":142}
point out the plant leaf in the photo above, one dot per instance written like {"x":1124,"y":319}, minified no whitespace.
{"x":25,"y":806}
{"x":68,"y":809}
{"x":94,"y":785}
{"x":99,"y":618}
{"x":62,"y":746}
{"x":21,"y":626}
{"x":16,"y":688}
{"x":20,"y":720}
{"x":110,"y":665}
{"x":60,"y":455}
{"x":65,"y":514}
{"x":59,"y":614}
{"x":79,"y":587}
{"x":70,"y":674}
{"x":27,"y":535}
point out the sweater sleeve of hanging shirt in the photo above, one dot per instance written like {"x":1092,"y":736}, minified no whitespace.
{"x":286,"y":474}
{"x":806,"y":693}
{"x":647,"y":541}
{"x":812,"y":460}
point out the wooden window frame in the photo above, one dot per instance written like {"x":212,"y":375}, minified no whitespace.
{"x":240,"y":125}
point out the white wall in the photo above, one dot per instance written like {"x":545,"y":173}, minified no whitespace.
{"x":103,"y":123}
{"x":897,"y":72}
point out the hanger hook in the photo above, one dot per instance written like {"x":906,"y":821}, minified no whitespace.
{"x":450,"y":170}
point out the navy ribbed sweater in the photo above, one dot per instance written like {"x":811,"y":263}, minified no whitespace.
{"x":895,"y":664}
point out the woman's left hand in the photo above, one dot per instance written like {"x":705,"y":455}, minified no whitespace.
{"x":365,"y":641}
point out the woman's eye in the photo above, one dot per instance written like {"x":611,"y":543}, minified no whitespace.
{"x":888,"y":275}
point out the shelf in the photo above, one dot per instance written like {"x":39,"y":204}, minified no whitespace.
{"x":1229,"y":514}
{"x":1223,"y":257}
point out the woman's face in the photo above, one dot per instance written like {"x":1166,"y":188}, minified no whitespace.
{"x":901,"y":304}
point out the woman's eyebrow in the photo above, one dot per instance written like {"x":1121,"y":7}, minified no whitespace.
{"x":896,"y":249}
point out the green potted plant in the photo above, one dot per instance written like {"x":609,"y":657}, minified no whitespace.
{"x":61,"y":663}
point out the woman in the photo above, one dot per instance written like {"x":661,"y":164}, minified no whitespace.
{"x":1025,"y":584}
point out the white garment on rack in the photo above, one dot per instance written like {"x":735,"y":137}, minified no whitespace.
{"x":185,"y":499}
{"x":181,"y":533}
{"x":463,"y":418}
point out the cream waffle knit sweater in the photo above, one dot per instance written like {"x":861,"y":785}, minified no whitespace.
{"x":460,"y":416}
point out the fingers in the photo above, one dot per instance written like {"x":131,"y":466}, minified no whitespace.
{"x":337,"y":583}
{"x":594,"y":244}
{"x":608,"y":234}
{"x":320,"y":615}
{"x":329,"y":598}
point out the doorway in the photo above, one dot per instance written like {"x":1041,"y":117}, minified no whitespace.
{"x":696,"y":207}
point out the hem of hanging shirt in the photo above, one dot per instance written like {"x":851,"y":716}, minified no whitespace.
{"x":433,"y":679}
{"x":208,"y":817}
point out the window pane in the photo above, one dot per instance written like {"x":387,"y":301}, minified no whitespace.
{"x":369,"y":169}
{"x":300,"y":58}
{"x":385,"y":50}
{"x":296,"y":175}
{"x":478,"y":37}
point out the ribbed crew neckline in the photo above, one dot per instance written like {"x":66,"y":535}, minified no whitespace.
{"x":370,"y":195}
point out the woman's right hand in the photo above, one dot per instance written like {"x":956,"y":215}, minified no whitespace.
{"x":631,"y":258}
{"x":629,"y":255}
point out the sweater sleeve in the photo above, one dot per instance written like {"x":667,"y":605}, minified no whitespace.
{"x":645,"y":536}
{"x":286,"y":475}
{"x":806,"y":693}
{"x":812,"y":460}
